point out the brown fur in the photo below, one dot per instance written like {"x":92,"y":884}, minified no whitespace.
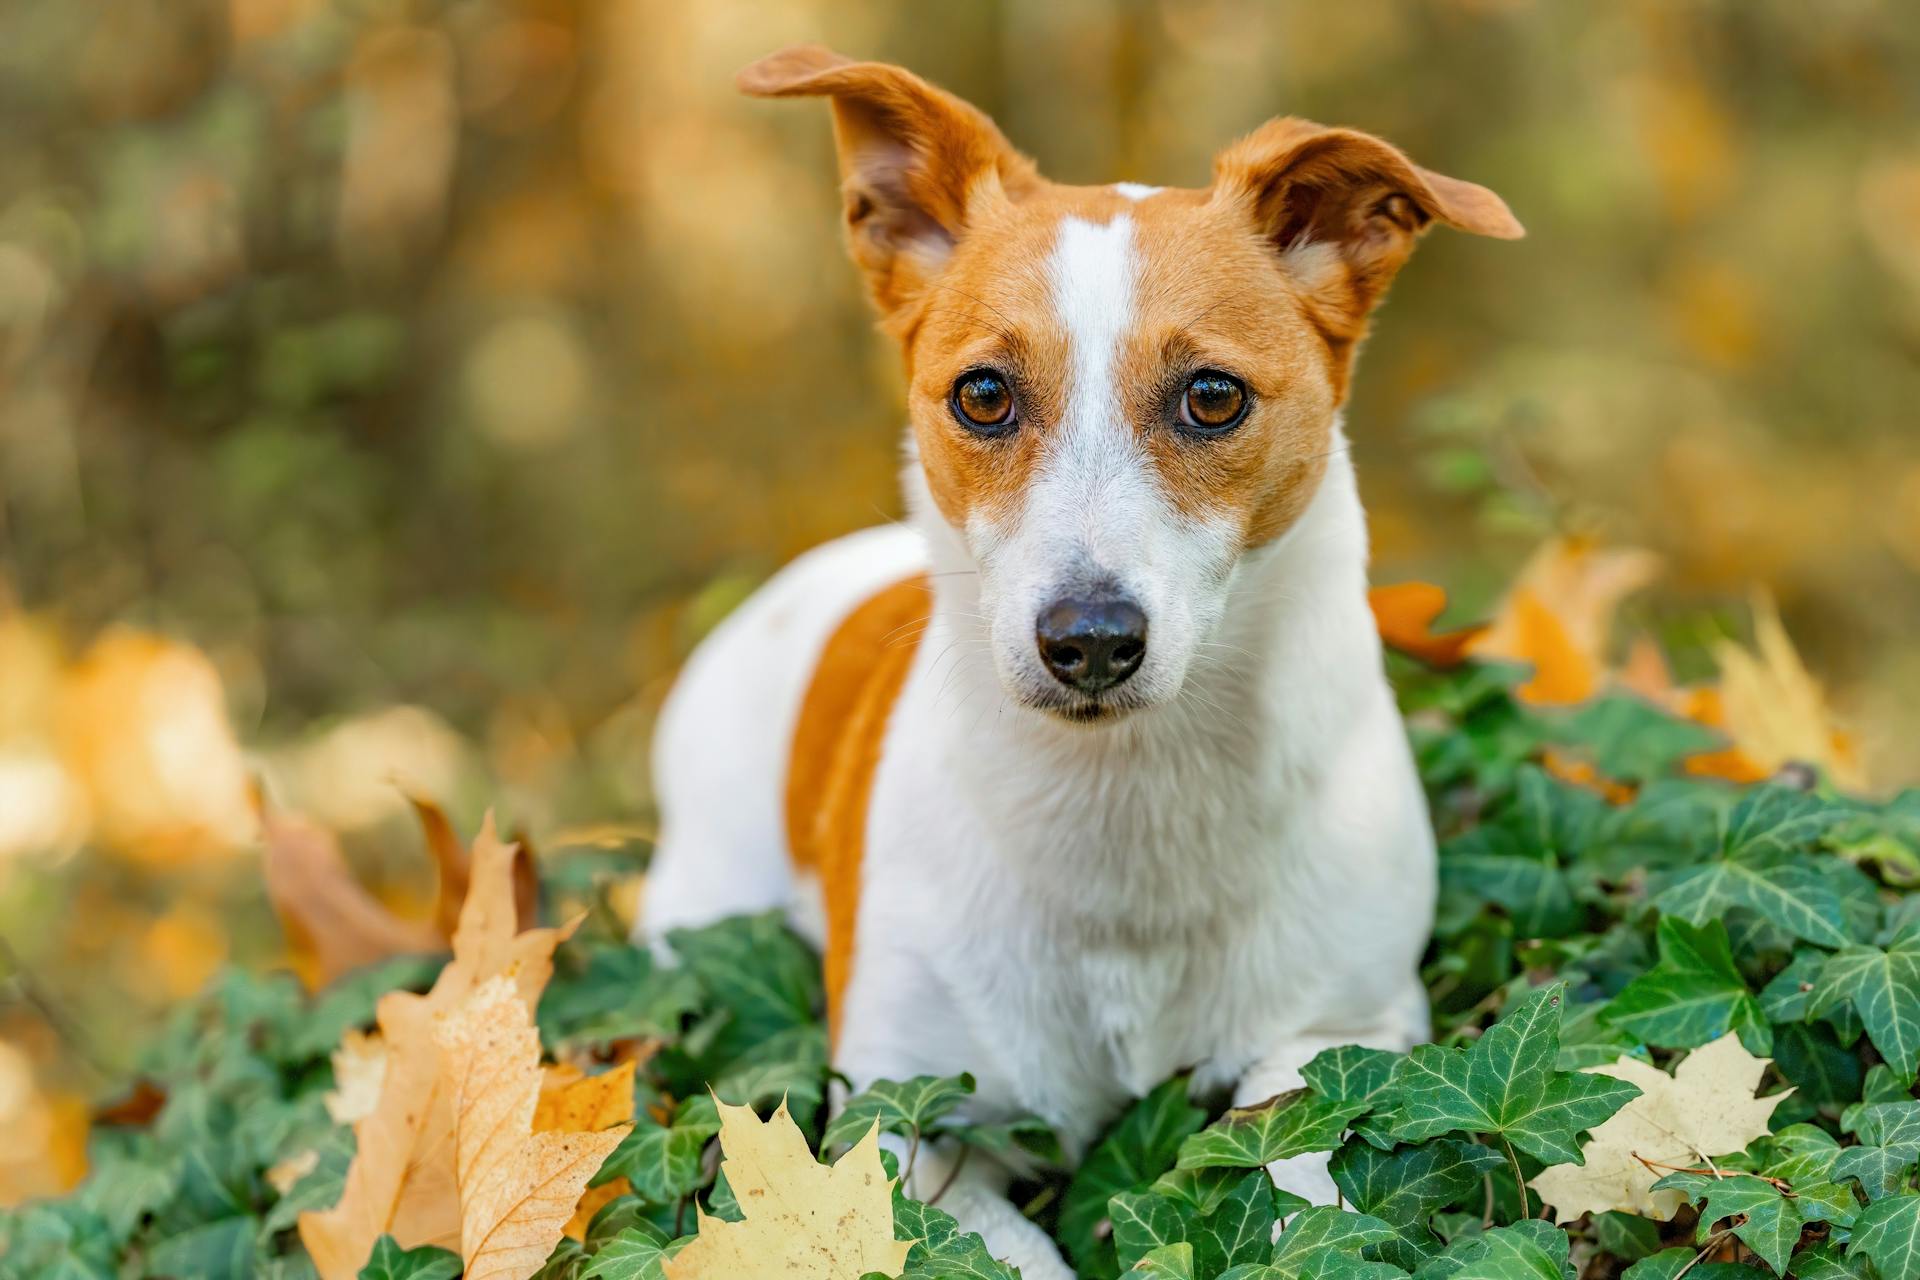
{"x":836,"y":749}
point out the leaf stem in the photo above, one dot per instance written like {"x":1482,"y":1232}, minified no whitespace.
{"x":1519,"y":1179}
{"x":959,"y":1163}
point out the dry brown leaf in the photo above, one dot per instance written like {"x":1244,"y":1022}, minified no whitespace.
{"x":333,"y":925}
{"x":450,"y":862}
{"x":1404,"y":612}
{"x":1775,"y":711}
{"x":1558,"y":617}
{"x":804,"y":1220}
{"x":401,"y":1182}
{"x":518,"y":1188}
{"x":1705,"y":1109}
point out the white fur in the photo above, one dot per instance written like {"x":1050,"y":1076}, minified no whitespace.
{"x":1231,"y":878}
{"x":1136,"y":191}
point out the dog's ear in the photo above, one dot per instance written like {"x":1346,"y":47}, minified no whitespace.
{"x":1345,"y":209}
{"x":916,"y":163}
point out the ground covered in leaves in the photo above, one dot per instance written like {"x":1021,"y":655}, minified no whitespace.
{"x":1678,"y":1027}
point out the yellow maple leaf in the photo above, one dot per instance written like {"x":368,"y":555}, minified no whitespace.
{"x":802,"y":1219}
{"x":1706,"y":1108}
{"x":402,"y":1179}
{"x":1774,"y":710}
{"x":518,"y":1187}
{"x":1558,"y":617}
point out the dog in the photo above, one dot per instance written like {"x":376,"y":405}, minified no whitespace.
{"x":1089,"y":770}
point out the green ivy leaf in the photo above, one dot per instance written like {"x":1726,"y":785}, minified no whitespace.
{"x":757,"y":972}
{"x":1352,"y":1074}
{"x":941,"y":1250}
{"x":1887,"y":1233}
{"x":1144,"y":1221}
{"x":1405,"y":1186}
{"x":1518,"y":859}
{"x":390,"y":1262}
{"x":1286,"y":1125}
{"x":1169,"y":1262}
{"x":604,"y":990}
{"x":904,"y":1107}
{"x":634,"y":1254}
{"x":663,"y":1161}
{"x":1889,"y":1134}
{"x":1632,"y":740}
{"x":1518,"y":1254}
{"x":1771,"y":1221}
{"x":1791,"y":896}
{"x":1506,"y":1083}
{"x":1884,"y":986}
{"x":1693,"y":995}
{"x":1139,"y":1148}
{"x":1670,"y":1264}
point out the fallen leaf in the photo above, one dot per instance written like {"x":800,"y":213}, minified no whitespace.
{"x":518,"y":1187}
{"x":1558,"y":617}
{"x":1679,"y":1122}
{"x":571,"y":1100}
{"x":142,"y":725}
{"x":333,"y":924}
{"x":450,"y":862}
{"x":401,"y":1182}
{"x":1775,"y":711}
{"x":359,"y":1070}
{"x":134,"y":1111}
{"x":43,"y":1135}
{"x":282,"y":1176}
{"x":1405,"y":611}
{"x":803,"y":1219}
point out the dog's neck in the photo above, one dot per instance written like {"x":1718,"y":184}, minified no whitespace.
{"x":1271,"y":691}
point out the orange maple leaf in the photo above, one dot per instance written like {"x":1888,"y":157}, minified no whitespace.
{"x":1404,"y":612}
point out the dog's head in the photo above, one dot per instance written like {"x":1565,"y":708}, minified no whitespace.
{"x":1116,"y":391}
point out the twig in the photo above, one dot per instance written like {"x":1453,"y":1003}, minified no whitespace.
{"x":1705,"y":1249}
{"x":1779,"y":1184}
{"x":1486,"y":1212}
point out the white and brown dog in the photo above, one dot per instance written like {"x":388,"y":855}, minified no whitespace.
{"x":1089,"y":771}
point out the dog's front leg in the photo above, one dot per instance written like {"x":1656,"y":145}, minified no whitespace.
{"x":973,"y":1188}
{"x":1401,"y":1025}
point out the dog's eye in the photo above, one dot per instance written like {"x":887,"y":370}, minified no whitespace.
{"x":1212,"y":402}
{"x":983,"y":402}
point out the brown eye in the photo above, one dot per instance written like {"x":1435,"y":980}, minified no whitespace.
{"x":983,"y":402}
{"x":1212,"y":402}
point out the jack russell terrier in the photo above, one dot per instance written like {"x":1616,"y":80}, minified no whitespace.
{"x":1088,"y":771}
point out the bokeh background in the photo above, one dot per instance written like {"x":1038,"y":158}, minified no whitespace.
{"x":393,"y":390}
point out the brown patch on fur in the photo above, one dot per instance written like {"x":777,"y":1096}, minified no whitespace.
{"x":836,"y":750}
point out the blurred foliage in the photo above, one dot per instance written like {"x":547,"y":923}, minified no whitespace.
{"x":433,"y":372}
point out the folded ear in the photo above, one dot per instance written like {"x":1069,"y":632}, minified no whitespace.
{"x":1345,"y":209}
{"x":917,"y":165}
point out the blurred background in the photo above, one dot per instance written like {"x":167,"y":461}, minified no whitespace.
{"x":393,"y":390}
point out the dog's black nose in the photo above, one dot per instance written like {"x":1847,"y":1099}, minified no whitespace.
{"x":1092,"y":644}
